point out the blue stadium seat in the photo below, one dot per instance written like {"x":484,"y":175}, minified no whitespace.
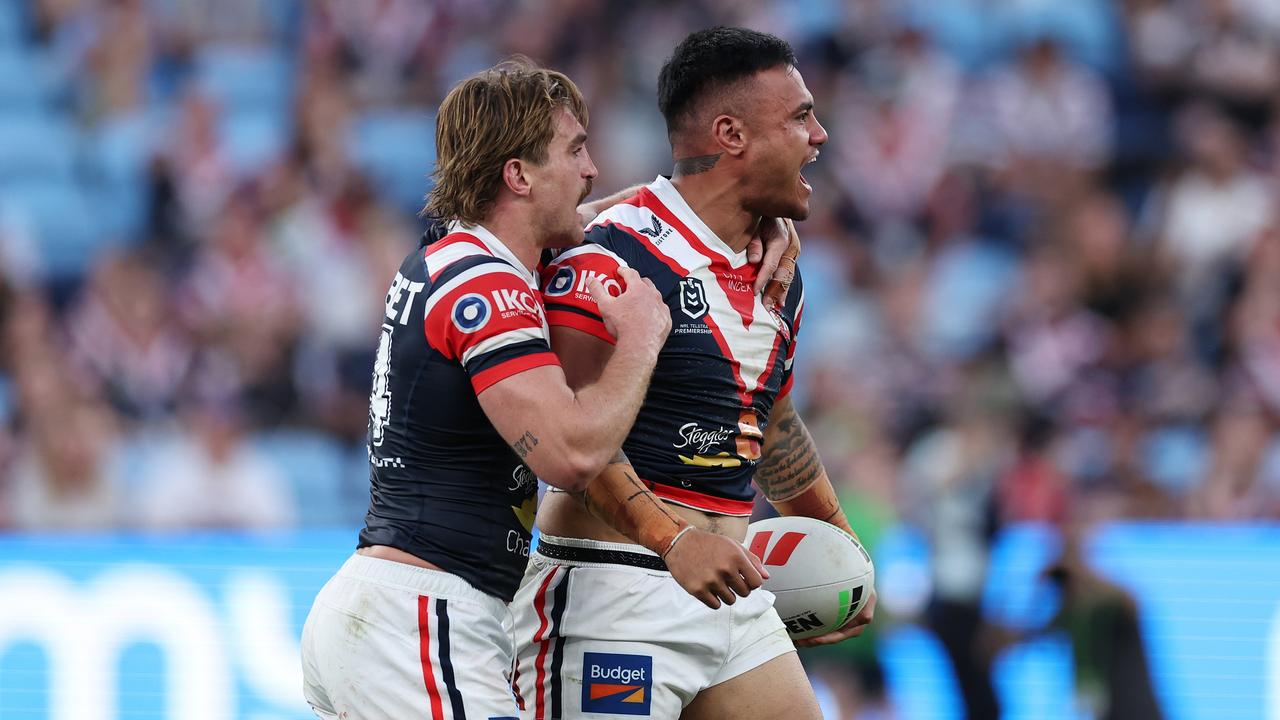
{"x":245,"y":77}
{"x":25,"y":81}
{"x":119,"y":148}
{"x":314,"y":466}
{"x":37,"y":147}
{"x":13,"y":22}
{"x":1176,"y":457}
{"x":63,"y":221}
{"x":253,"y":138}
{"x":396,"y":148}
{"x":117,"y":153}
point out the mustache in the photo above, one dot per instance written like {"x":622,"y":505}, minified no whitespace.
{"x":586,"y":192}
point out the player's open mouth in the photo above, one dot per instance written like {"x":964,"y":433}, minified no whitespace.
{"x":805,"y":183}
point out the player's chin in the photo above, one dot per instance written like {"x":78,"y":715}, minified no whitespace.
{"x":796,"y":210}
{"x":569,"y":236}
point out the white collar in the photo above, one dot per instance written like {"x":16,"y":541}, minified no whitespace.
{"x":495,"y":246}
{"x":670,"y":196}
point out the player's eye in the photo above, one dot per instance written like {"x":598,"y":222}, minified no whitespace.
{"x":803,"y":117}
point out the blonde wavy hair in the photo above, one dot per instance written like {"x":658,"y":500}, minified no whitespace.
{"x":505,"y":112}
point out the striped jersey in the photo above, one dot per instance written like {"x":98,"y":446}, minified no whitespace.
{"x":462,"y":314}
{"x":698,"y":436}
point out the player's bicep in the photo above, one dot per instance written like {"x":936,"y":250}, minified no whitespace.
{"x":565,"y":292}
{"x":582,"y":355}
{"x":490,"y":321}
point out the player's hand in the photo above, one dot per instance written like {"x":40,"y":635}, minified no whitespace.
{"x":714,"y":568}
{"x":765,"y":249}
{"x":636,"y":313}
{"x":855,"y":627}
{"x":776,"y":248}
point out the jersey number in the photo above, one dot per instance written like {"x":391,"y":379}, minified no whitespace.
{"x":380,"y":397}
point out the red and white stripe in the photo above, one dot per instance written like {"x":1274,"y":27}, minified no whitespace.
{"x":429,"y":650}
{"x":542,"y":605}
{"x":746,"y":333}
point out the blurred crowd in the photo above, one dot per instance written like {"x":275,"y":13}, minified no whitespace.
{"x":1042,"y":268}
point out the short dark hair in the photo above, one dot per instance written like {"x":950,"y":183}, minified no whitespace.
{"x":709,"y":60}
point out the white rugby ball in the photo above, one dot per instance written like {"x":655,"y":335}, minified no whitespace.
{"x":820,"y":574}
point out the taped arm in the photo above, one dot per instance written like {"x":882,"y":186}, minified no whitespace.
{"x":791,"y":475}
{"x":616,"y":496}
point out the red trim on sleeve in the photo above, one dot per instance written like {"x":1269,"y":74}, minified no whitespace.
{"x":699,"y":501}
{"x":566,"y":318}
{"x":487,"y":378}
{"x":786,"y":387}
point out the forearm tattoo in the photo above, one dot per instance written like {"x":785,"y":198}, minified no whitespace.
{"x":790,"y":461}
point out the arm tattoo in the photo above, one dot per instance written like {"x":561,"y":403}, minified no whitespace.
{"x":695,"y":165}
{"x":618,"y":498}
{"x":525,"y":444}
{"x":790,"y":462}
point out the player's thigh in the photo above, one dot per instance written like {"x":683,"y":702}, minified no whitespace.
{"x":777,"y":689}
{"x":601,"y":643}
{"x":375,"y":653}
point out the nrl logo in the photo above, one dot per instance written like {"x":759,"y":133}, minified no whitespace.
{"x":693,"y":298}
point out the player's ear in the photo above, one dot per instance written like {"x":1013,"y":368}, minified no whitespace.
{"x":728,"y":133}
{"x":513,"y":176}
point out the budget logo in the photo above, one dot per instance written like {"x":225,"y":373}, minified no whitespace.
{"x":616,"y":684}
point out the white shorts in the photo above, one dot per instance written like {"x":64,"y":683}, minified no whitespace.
{"x":599,"y":637}
{"x":390,"y":640}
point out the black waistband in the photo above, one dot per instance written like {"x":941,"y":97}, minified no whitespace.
{"x":599,"y":555}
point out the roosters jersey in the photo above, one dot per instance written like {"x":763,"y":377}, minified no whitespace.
{"x":462,"y":314}
{"x":697,"y":438}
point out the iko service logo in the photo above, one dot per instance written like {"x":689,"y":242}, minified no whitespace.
{"x":617,"y":684}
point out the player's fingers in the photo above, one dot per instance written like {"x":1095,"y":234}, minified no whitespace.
{"x":739,"y":585}
{"x":725,"y":593}
{"x":598,"y":293}
{"x":757,"y":564}
{"x":628,"y":276}
{"x":776,"y":292}
{"x":751,"y":576}
{"x":755,"y":251}
{"x":708,"y":599}
{"x":776,"y":238}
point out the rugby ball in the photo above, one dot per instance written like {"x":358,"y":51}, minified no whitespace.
{"x":819,"y":574}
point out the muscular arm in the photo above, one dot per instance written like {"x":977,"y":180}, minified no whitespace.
{"x":792,"y":478}
{"x":791,"y":475}
{"x":589,"y":210}
{"x":566,"y":434}
{"x":566,"y":437}
{"x":616,"y":496}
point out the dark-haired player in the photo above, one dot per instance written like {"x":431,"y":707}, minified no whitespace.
{"x":468,"y":403}
{"x":640,"y":599}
